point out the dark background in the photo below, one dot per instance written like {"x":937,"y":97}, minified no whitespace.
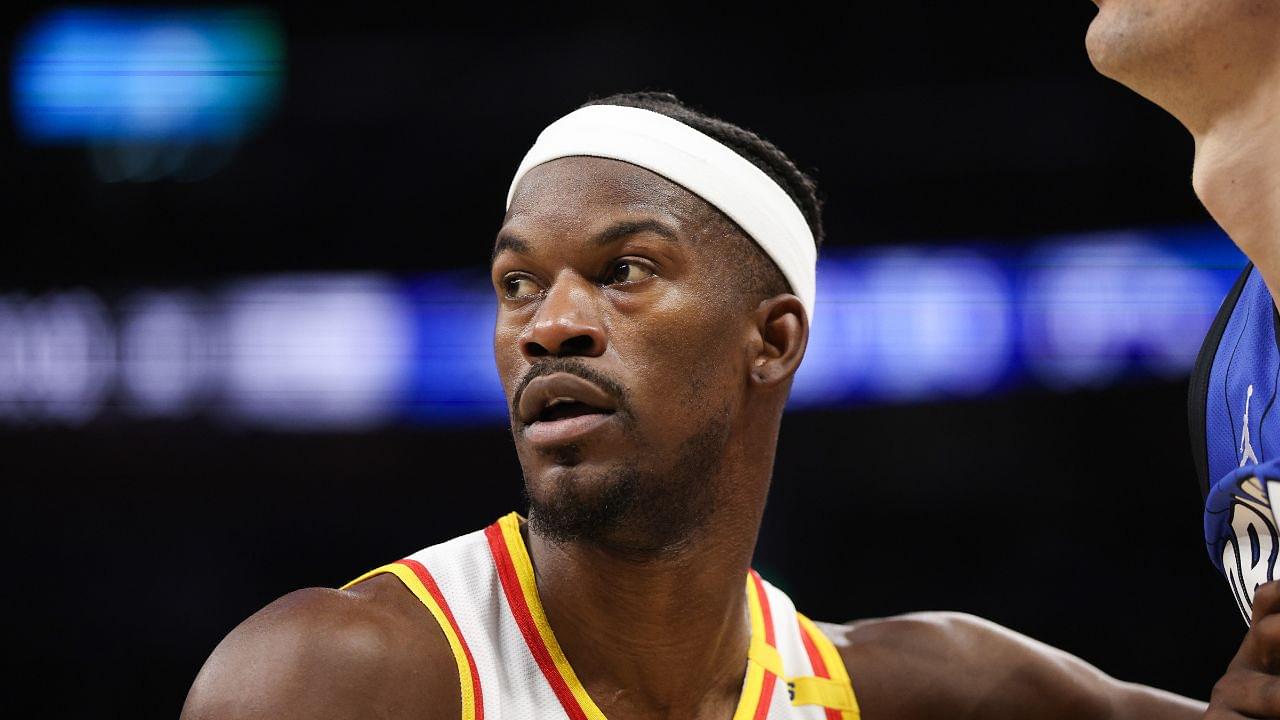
{"x":135,"y":546}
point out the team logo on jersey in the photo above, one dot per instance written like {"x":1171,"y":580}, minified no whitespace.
{"x":1246,"y":453}
{"x":1250,"y":549}
{"x":1250,"y":543}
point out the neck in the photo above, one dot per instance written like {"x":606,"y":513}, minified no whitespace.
{"x":664,"y":636}
{"x":1237,"y":173}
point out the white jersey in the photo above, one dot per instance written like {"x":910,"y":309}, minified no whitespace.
{"x":481,"y":590}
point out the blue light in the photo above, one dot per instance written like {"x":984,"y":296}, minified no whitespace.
{"x":1100,"y":307}
{"x":454,"y":378}
{"x":892,"y":325}
{"x":143,"y":75}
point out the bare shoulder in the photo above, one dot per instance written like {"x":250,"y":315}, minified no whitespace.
{"x":955,"y":665}
{"x":935,"y":637}
{"x":321,"y":654}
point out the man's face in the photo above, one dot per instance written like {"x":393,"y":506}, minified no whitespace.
{"x":1164,"y":48}
{"x":621,"y":347}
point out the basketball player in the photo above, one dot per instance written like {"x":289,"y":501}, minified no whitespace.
{"x":1215,"y":66}
{"x":655,"y":282}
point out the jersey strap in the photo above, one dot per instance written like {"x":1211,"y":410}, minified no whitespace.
{"x":830,"y":687}
{"x":764,"y":662}
{"x":418,"y":580}
{"x":515,"y":571}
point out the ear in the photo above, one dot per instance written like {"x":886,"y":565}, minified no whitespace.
{"x":782,"y":329}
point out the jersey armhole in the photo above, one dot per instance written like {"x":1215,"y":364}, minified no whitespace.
{"x":418,"y":580}
{"x":1198,"y":388}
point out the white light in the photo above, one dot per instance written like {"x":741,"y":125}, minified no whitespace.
{"x":1094,"y":307}
{"x":942,"y":323}
{"x":69,"y":356}
{"x":12,"y":358}
{"x":317,"y":351}
{"x":167,"y":341}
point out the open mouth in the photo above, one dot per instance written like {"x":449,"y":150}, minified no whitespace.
{"x":562,"y":408}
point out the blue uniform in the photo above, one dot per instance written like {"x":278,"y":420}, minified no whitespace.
{"x":1235,"y":436}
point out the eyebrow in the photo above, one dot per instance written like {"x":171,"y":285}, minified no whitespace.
{"x":507,"y":241}
{"x":626,"y":228}
{"x":613,"y":233}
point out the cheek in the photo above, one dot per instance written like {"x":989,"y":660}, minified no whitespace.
{"x":685,"y":367}
{"x":506,"y":354}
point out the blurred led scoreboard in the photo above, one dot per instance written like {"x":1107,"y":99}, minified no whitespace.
{"x":152,"y":93}
{"x":334,"y":351}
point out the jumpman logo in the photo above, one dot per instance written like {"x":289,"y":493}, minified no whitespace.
{"x":1246,"y":445}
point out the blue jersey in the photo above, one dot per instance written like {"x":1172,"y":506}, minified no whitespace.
{"x":1235,"y":436}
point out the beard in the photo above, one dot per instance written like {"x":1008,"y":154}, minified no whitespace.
{"x":643,"y":514}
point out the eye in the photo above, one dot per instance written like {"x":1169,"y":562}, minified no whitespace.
{"x":625,"y":271}
{"x":515,"y":287}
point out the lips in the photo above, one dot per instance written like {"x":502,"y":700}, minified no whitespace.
{"x":560,"y":407}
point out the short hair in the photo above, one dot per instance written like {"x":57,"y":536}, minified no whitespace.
{"x":764,"y":277}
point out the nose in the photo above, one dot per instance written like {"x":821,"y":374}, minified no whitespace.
{"x":566,"y":323}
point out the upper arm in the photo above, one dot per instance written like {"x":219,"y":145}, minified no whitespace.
{"x":325,"y":654}
{"x":951,"y":665}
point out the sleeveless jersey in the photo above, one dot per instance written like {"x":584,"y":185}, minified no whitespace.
{"x":1235,"y":436}
{"x":480,"y":589}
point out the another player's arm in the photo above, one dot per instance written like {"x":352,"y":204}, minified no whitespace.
{"x":320,"y":654}
{"x":950,"y":665}
{"x":1251,"y":686}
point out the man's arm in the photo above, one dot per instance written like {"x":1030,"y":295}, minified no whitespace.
{"x":950,"y":665}
{"x":320,"y":654}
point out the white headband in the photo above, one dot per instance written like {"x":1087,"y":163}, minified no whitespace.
{"x":700,"y":164}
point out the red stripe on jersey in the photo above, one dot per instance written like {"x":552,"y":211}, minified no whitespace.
{"x":764,"y":608}
{"x":430,"y":584}
{"x":524,"y":620}
{"x":819,"y":667}
{"x":766,"y":687}
{"x":766,"y":695}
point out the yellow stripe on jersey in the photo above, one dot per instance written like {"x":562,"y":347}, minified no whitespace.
{"x":846,"y":699}
{"x":751,"y":690}
{"x":415,"y":586}
{"x":766,"y":656}
{"x":510,"y":525}
{"x":760,"y":651}
{"x":826,"y":692}
{"x":761,"y":658}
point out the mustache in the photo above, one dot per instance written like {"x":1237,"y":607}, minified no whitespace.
{"x":572,"y":366}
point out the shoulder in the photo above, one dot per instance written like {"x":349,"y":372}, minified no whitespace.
{"x":928,"y":636}
{"x":321,"y":654}
{"x":946,"y":664}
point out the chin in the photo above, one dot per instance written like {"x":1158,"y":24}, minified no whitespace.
{"x":576,"y":476}
{"x":570,"y":475}
{"x":1106,"y":44}
{"x":582,"y":502}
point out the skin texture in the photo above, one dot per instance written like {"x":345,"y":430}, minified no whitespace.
{"x":1215,"y":66}
{"x":646,"y":602}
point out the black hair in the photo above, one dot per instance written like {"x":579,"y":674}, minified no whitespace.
{"x":764,"y":277}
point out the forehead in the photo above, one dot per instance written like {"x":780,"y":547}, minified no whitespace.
{"x":578,"y":191}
